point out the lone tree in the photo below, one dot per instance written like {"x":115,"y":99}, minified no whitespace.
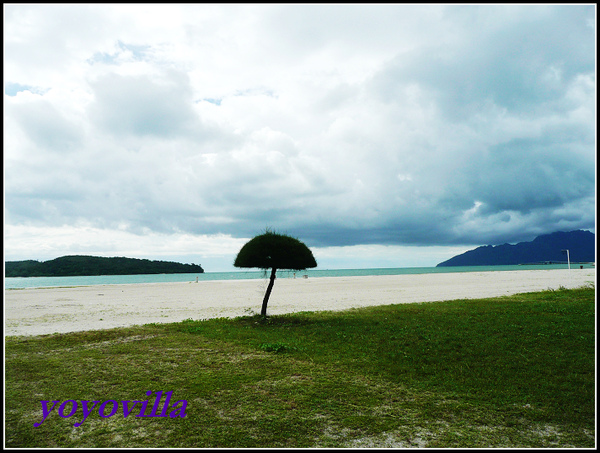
{"x":274,"y":251}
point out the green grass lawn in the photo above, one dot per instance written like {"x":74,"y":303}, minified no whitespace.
{"x":515,"y":371}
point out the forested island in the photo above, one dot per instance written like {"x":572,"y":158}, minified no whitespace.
{"x":545,"y":249}
{"x":82,"y":265}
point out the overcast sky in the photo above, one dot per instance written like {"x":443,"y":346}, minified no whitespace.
{"x":380,"y":135}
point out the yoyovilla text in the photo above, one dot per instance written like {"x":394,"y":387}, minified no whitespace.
{"x":108,"y":408}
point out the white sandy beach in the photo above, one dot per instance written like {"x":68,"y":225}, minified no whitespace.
{"x":52,"y":310}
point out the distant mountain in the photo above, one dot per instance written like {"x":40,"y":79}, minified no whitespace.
{"x":543,"y":249}
{"x":76,"y":265}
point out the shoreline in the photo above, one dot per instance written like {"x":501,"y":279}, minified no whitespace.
{"x":69,"y":281}
{"x":47,"y":310}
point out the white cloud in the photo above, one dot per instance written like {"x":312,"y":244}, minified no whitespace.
{"x":345,"y":125}
{"x":140,"y":105}
{"x":217,"y":250}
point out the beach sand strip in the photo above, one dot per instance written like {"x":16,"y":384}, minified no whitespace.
{"x":41,"y":311}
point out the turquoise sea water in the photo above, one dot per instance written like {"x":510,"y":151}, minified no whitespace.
{"x":41,"y":282}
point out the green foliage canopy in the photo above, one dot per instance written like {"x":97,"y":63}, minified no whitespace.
{"x":75,"y":265}
{"x":274,"y":250}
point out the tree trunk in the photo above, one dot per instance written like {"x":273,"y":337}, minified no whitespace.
{"x":263,"y":312}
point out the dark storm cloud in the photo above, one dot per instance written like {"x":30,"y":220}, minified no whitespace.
{"x":523,"y":63}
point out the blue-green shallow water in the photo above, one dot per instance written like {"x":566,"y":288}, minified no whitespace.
{"x":41,"y":282}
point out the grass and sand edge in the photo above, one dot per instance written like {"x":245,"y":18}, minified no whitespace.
{"x":514,"y":371}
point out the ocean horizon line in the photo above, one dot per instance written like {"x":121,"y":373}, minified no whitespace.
{"x":91,"y":280}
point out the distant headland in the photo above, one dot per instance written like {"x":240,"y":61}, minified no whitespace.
{"x":545,"y":249}
{"x":82,"y":265}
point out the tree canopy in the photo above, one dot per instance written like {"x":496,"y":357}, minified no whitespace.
{"x":73,"y":265}
{"x":274,"y":251}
